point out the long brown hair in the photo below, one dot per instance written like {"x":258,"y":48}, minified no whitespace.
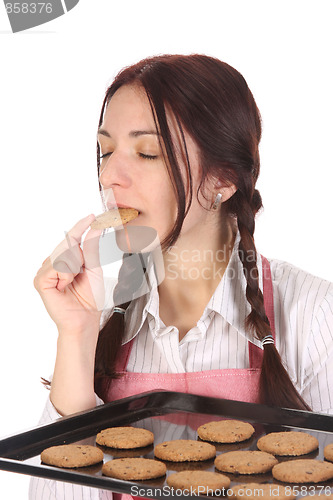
{"x":212,"y":102}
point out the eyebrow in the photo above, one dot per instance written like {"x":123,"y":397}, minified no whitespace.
{"x":133,"y":133}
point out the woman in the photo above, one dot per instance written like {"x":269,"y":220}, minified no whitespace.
{"x":178,"y":141}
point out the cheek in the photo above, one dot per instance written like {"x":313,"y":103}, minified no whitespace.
{"x":162,"y":197}
{"x":196,"y":216}
{"x":163,"y":212}
{"x":168,"y":205}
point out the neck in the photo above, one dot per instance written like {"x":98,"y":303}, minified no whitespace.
{"x":193,"y":269}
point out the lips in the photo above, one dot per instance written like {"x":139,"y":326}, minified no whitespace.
{"x":113,"y":206}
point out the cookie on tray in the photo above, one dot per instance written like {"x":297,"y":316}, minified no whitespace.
{"x":199,"y":482}
{"x":184,"y":450}
{"x":245,"y":462}
{"x":262,"y":491}
{"x":226,"y":431}
{"x":72,"y":455}
{"x":303,"y":470}
{"x":328,"y":452}
{"x":184,"y":466}
{"x":125,"y":437}
{"x":289,"y":443}
{"x":134,"y":469}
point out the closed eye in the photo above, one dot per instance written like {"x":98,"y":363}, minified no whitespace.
{"x":148,"y":157}
{"x":142,"y":155}
{"x":105,"y":155}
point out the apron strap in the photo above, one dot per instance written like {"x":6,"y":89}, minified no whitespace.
{"x":255,"y":352}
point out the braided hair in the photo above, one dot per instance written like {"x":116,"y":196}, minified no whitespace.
{"x":132,"y":276}
{"x":212,"y":102}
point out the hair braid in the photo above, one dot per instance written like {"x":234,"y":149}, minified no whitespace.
{"x":257,"y":320}
{"x":275,"y":386}
{"x":130,"y":278}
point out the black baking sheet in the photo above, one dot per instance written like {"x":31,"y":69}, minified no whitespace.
{"x":170,"y":415}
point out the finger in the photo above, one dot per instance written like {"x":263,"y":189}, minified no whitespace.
{"x":90,"y":249}
{"x":48,"y":279}
{"x":68,"y":261}
{"x":46,"y":264}
{"x":64,"y":280}
{"x":68,"y":253}
{"x":80,"y":227}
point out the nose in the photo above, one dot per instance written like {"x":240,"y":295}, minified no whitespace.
{"x":114,"y":171}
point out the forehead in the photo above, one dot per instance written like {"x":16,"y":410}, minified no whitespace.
{"x":129,"y":110}
{"x":129,"y":107}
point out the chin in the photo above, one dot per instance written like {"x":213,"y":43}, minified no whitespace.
{"x":137,"y":239}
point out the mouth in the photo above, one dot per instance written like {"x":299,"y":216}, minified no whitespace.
{"x":113,"y":206}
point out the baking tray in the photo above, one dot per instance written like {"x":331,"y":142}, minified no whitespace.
{"x":170,"y":415}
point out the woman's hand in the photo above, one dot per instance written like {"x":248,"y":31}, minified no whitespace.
{"x":70,"y":281}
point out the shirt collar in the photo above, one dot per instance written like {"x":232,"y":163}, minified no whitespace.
{"x":230,"y":292}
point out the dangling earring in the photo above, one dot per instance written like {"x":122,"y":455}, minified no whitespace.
{"x":217,"y":202}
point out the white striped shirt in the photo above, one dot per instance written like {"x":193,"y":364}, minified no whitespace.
{"x":303,"y":313}
{"x":303,"y":309}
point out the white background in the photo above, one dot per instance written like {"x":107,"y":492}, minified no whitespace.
{"x":52,"y":84}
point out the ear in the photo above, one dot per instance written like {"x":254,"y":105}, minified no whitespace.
{"x":227,"y":190}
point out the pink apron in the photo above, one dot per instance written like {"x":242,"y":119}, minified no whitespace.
{"x":232,"y":383}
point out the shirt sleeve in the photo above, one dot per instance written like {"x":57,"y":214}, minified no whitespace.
{"x":49,"y":489}
{"x":318,"y":355}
